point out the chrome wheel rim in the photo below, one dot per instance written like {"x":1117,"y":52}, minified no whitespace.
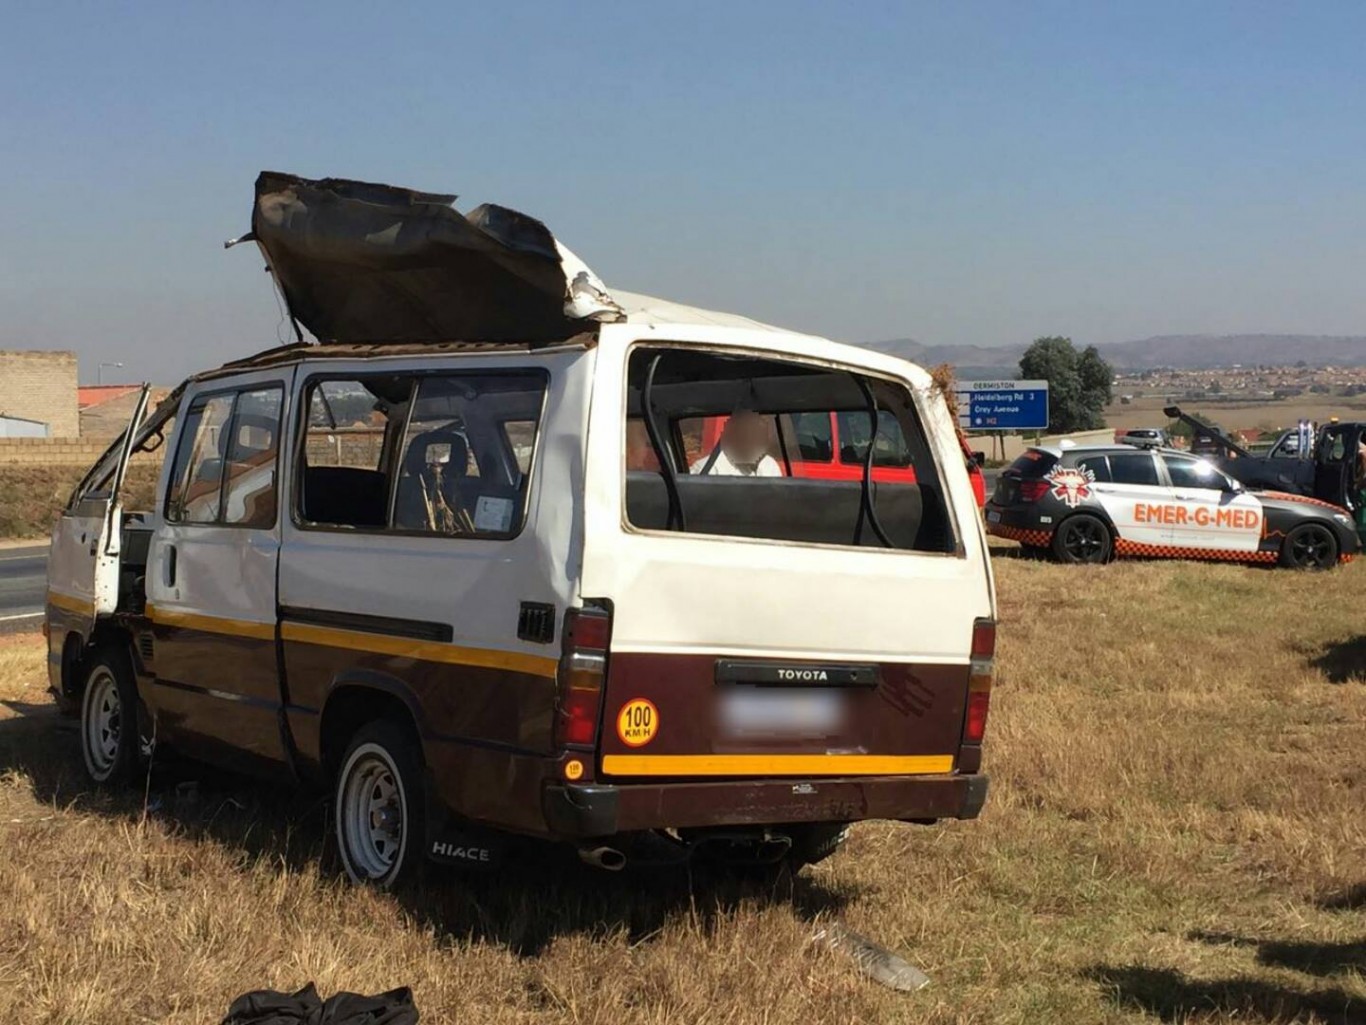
{"x":372,"y":823}
{"x":103,"y":722}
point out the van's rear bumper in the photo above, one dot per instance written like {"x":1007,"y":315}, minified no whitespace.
{"x":576,"y":812}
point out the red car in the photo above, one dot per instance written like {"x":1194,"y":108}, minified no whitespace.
{"x":833,"y":446}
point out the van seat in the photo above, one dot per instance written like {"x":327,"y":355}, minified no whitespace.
{"x":345,"y":496}
{"x":789,"y":509}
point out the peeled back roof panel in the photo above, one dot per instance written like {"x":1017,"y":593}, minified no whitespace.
{"x":361,"y":262}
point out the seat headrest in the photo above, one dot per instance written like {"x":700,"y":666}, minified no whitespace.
{"x":437,"y":447}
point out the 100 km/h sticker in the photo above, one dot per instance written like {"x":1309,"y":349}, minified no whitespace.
{"x":637,"y":722}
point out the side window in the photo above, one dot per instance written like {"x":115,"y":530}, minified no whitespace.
{"x":1138,"y":468}
{"x":640,"y":454}
{"x":460,"y":471}
{"x":813,"y":441}
{"x":1098,"y":465}
{"x":1194,"y":473}
{"x":197,"y":477}
{"x":889,"y":447}
{"x":346,"y":473}
{"x":345,"y":426}
{"x":225,"y":465}
{"x":520,"y":437}
{"x":249,"y":492}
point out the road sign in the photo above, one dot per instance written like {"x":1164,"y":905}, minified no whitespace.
{"x":1002,"y":405}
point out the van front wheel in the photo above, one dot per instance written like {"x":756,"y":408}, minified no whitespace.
{"x":109,"y":718}
{"x":378,"y":805}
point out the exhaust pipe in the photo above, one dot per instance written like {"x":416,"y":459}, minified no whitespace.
{"x":608,"y":858}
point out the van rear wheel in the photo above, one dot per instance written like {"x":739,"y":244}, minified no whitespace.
{"x":378,"y":805}
{"x":109,"y":717}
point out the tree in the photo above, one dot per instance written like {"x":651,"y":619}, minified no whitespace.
{"x":1079,"y":383}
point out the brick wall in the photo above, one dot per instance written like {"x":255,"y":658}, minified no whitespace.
{"x":41,"y":386}
{"x":50,"y":451}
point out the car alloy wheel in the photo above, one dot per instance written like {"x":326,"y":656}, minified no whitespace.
{"x":1082,"y":538}
{"x":1310,"y":546}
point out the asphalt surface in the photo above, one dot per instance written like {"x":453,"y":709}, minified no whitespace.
{"x":23,"y":587}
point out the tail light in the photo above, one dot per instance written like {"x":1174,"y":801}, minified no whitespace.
{"x":583,"y":668}
{"x":982,"y":665}
{"x":1033,"y":490}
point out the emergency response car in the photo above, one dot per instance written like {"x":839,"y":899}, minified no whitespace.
{"x":1090,"y":504}
{"x":419,"y":565}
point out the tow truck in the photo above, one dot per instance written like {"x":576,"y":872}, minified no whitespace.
{"x":1328,"y":468}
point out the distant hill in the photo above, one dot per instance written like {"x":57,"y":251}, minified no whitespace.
{"x":1186,"y":351}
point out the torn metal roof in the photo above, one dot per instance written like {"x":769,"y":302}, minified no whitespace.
{"x":359,"y":262}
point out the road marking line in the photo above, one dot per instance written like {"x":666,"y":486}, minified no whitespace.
{"x":22,"y":615}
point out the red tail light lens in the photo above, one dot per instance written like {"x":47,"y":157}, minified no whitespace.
{"x":1033,"y":490}
{"x":583,"y":667}
{"x":578,"y":717}
{"x":975,"y":727}
{"x":982,"y":666}
{"x":984,"y":638}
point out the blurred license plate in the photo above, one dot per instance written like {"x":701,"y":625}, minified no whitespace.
{"x":782,"y":712}
{"x":992,"y":517}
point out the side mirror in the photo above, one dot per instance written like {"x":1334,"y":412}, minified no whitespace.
{"x":980,"y":458}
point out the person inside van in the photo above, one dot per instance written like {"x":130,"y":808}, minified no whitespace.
{"x":742,"y":450}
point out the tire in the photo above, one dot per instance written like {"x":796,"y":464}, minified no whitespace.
{"x":378,"y":805}
{"x":1310,"y":546}
{"x":109,"y":717}
{"x":1082,"y":538}
{"x":813,"y":843}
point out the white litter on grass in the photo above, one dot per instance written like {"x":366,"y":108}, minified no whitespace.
{"x":872,"y":959}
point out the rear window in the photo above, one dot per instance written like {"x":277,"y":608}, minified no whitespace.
{"x":1099,"y":467}
{"x":1139,"y":468}
{"x":1033,"y":463}
{"x":712,"y":440}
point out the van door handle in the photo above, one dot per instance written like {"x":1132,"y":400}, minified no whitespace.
{"x":170,"y":565}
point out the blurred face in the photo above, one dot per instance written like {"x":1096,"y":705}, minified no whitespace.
{"x":745,"y":438}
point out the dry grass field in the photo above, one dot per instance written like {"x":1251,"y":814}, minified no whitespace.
{"x":1147,"y":412}
{"x":31,"y":497}
{"x":1177,"y":832}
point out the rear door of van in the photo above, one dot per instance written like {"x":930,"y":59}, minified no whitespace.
{"x":778,"y":626}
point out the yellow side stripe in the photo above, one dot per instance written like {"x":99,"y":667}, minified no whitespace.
{"x":776,"y":765}
{"x":71,"y":602}
{"x":211,"y":624}
{"x":425,"y":651}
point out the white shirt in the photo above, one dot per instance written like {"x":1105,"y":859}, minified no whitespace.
{"x":723,"y":467}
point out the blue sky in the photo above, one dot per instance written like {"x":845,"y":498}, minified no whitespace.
{"x":957,"y":172}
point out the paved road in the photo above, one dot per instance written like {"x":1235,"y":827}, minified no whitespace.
{"x":23,"y":586}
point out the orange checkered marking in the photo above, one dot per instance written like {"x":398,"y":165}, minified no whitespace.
{"x":1037,"y":538}
{"x":1147,"y":551}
